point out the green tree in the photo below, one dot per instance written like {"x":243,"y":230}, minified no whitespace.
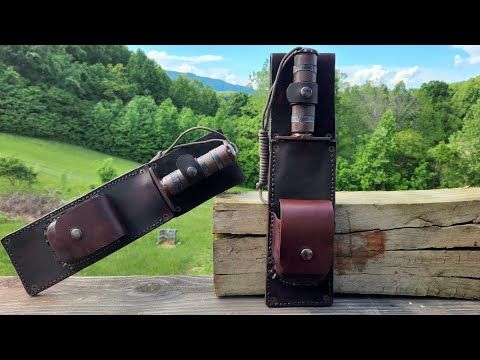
{"x":100,"y":54}
{"x":235,"y":104}
{"x":106,"y":171}
{"x":437,"y":119}
{"x":134,"y":132}
{"x":376,"y":167}
{"x":260,"y":81}
{"x":404,"y":105}
{"x":465,"y":95}
{"x":467,"y":143}
{"x":150,"y":79}
{"x":192,"y":94}
{"x":100,"y":120}
{"x":15,"y":171}
{"x":247,"y":143}
{"x":116,"y":84}
{"x":166,"y":126}
{"x":414,"y":170}
{"x":446,"y":161}
{"x":208,"y":101}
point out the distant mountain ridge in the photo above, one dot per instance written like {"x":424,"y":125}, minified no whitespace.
{"x":215,"y":84}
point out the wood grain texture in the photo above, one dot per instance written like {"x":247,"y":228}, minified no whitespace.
{"x":192,"y":295}
{"x":422,"y":243}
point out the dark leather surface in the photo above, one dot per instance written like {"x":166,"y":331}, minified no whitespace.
{"x":304,"y":224}
{"x":98,"y":222}
{"x":301,"y":170}
{"x":140,"y":207}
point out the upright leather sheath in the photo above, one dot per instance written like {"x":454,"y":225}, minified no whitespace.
{"x":97,"y":224}
{"x":301,"y":187}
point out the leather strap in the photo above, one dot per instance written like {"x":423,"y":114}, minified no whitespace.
{"x":303,"y":93}
{"x":109,"y":217}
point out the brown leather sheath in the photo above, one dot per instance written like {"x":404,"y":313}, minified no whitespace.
{"x":301,"y":190}
{"x":106,"y":219}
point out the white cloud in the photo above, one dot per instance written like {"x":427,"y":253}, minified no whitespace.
{"x":374,"y":74}
{"x":161,"y":57}
{"x":184,"y":68}
{"x":458,"y":59}
{"x":379,"y":74}
{"x":404,"y":75}
{"x":473,"y":52}
{"x":191,"y":64}
{"x":226,"y":75}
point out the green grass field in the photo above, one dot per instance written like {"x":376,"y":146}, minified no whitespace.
{"x":52,"y":159}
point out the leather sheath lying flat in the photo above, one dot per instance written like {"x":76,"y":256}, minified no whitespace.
{"x":99,"y":223}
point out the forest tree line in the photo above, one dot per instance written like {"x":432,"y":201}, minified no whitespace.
{"x":120,"y":102}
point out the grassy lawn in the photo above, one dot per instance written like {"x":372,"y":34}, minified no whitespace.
{"x":53,"y":160}
{"x":7,"y":226}
{"x":193,"y":255}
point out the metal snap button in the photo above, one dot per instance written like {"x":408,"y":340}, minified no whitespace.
{"x":191,"y":171}
{"x":306,"y":91}
{"x":76,"y":234}
{"x":306,"y":254}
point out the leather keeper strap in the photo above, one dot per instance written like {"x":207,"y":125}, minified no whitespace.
{"x":84,"y":229}
{"x":303,"y":239}
{"x":302,"y":93}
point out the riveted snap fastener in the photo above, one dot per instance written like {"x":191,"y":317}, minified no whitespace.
{"x":191,"y":171}
{"x":306,"y":91}
{"x":76,"y":234}
{"x":306,"y":254}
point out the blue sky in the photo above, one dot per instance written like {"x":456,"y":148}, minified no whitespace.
{"x":413,"y":64}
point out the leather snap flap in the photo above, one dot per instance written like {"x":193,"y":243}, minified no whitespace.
{"x":189,"y":168}
{"x":84,"y":229}
{"x":303,"y":238}
{"x":302,"y":93}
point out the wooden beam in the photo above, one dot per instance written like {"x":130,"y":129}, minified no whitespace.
{"x":191,"y":295}
{"x":422,"y":243}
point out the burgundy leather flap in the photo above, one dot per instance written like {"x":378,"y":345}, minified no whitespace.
{"x":303,"y":237}
{"x":84,"y":229}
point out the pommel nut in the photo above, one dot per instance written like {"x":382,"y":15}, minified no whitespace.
{"x":191,"y":171}
{"x":306,"y":92}
{"x":306,"y":254}
{"x":76,"y":234}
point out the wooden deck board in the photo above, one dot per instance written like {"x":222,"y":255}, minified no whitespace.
{"x":193,"y":295}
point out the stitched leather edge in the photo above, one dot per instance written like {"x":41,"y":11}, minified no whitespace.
{"x":48,"y":218}
{"x":268,"y":294}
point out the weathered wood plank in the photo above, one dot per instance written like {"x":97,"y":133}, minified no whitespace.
{"x":191,"y":295}
{"x":424,"y":243}
{"x":360,"y":210}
